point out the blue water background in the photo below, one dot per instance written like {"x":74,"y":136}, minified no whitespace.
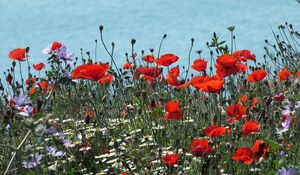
{"x":36,"y":23}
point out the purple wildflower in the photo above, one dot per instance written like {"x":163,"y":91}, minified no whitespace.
{"x":53,"y":151}
{"x":33,"y":162}
{"x":52,"y":130}
{"x":21,"y":101}
{"x":285,"y":124}
{"x":289,"y":171}
{"x":68,"y":144}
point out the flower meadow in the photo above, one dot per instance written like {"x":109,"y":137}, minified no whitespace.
{"x":227,"y":113}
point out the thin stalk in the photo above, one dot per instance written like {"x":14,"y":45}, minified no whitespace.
{"x":189,"y":58}
{"x":14,"y":154}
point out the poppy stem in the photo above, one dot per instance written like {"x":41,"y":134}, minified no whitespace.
{"x":160,"y":44}
{"x":96,"y":44}
{"x":189,"y":59}
{"x":111,"y":56}
{"x":22,"y":79}
{"x":231,"y":37}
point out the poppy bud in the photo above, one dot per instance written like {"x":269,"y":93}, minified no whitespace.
{"x":165,"y":36}
{"x":13,"y":63}
{"x":133,"y":41}
{"x":27,"y":49}
{"x":101,"y":28}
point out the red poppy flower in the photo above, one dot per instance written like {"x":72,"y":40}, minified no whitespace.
{"x":279,"y":97}
{"x":55,"y":46}
{"x":214,"y":131}
{"x":226,"y":71}
{"x":297,"y":74}
{"x":260,"y":149}
{"x":244,"y":55}
{"x":30,"y":81}
{"x":18,"y":54}
{"x":170,"y":159}
{"x":39,"y":66}
{"x":52,"y":47}
{"x":174,"y":72}
{"x":244,"y":155}
{"x":149,"y":71}
{"x":109,"y":78}
{"x":32,"y":90}
{"x":257,"y":75}
{"x":166,"y":60}
{"x":199,"y":65}
{"x":207,"y":84}
{"x":173,"y":111}
{"x":249,"y":127}
{"x":128,"y":65}
{"x":149,"y":58}
{"x":90,"y":71}
{"x":227,"y":60}
{"x":44,"y":84}
{"x":172,"y":106}
{"x":172,"y":80}
{"x":236,"y":112}
{"x":200,"y":147}
{"x":284,"y":74}
{"x":229,"y":64}
{"x":250,"y":103}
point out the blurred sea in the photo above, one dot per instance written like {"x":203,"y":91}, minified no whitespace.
{"x":36,"y":23}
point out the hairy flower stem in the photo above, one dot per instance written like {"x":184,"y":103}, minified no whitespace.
{"x":189,"y":59}
{"x":22,"y":79}
{"x":14,"y":154}
{"x":111,"y":56}
{"x":160,"y":44}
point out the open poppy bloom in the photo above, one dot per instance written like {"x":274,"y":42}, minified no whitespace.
{"x":244,"y":155}
{"x":18,"y":54}
{"x":236,"y":112}
{"x":207,"y":84}
{"x":284,"y":74}
{"x":174,"y":72}
{"x":244,"y":55}
{"x":170,"y":159}
{"x":166,"y":60}
{"x":44,"y":84}
{"x":229,"y":64}
{"x":52,"y":47}
{"x":249,"y":127}
{"x":172,"y":79}
{"x":173,"y":111}
{"x":149,"y":58}
{"x":93,"y":72}
{"x":199,"y":65}
{"x":200,"y":147}
{"x":260,"y":149}
{"x":250,"y":103}
{"x":109,"y":78}
{"x":128,"y":65}
{"x":30,"y":81}
{"x":214,"y":131}
{"x":149,"y":73}
{"x":257,"y":75}
{"x":39,"y":66}
{"x":297,"y":74}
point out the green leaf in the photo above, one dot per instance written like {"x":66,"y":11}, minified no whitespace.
{"x":272,"y":144}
